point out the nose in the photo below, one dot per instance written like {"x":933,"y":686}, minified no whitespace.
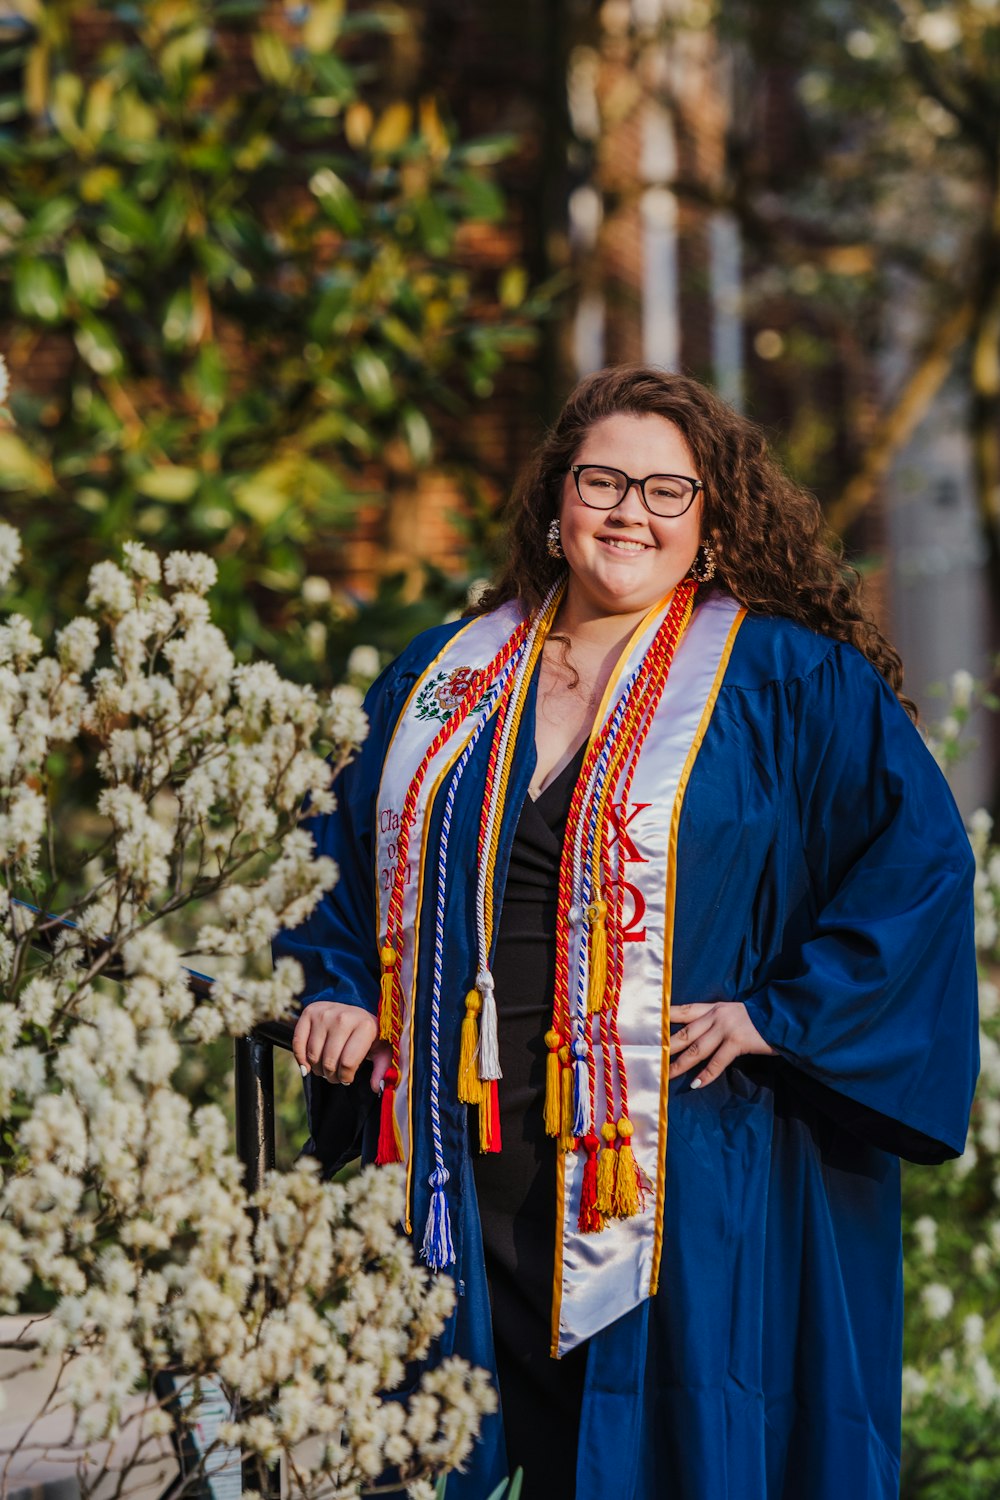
{"x":630,"y":506}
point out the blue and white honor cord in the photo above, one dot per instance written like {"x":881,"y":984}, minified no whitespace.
{"x":438,"y":1248}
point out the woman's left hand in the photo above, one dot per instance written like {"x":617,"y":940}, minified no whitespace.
{"x":721,"y":1031}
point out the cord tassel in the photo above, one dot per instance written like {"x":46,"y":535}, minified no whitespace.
{"x":438,"y":1248}
{"x":489,"y":1044}
{"x":387,"y":1006}
{"x":628,"y":1189}
{"x":553,"y":1110}
{"x":590,"y":1220}
{"x":581,"y":1089}
{"x":606,"y":1164}
{"x":567,"y":1140}
{"x":489,"y":1118}
{"x":597,"y":913}
{"x":390,"y":1147}
{"x":470,"y":1088}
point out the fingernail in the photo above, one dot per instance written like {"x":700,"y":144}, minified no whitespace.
{"x":697,"y":1083}
{"x":304,"y":1070}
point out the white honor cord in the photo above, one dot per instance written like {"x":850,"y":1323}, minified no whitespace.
{"x":489,"y":1045}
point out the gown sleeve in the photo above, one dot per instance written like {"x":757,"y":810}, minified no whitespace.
{"x":337,"y":945}
{"x":876,"y":1011}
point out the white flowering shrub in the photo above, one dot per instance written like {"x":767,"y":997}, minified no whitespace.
{"x":124,"y":1224}
{"x":951,"y":1229}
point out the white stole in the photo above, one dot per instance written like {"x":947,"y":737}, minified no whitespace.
{"x":598,"y":1277}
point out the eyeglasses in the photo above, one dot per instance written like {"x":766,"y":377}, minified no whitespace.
{"x":602,"y":488}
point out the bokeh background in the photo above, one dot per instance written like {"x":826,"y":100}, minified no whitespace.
{"x":300,"y":285}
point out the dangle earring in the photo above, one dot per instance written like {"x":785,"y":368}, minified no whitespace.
{"x":552,"y":543}
{"x":703,"y":567}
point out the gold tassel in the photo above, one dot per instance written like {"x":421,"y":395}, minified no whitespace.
{"x":626,"y":1196}
{"x":606,"y":1171}
{"x":470,"y":1088}
{"x":567,"y":1140}
{"x":386,"y":1010}
{"x":597,"y":955}
{"x":553,"y":1111}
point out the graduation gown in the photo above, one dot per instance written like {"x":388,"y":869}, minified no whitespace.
{"x":824,"y":879}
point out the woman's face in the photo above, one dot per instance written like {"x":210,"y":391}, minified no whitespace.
{"x":622,"y":561}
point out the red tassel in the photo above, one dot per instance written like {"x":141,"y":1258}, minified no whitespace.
{"x":590,"y":1220}
{"x":489,"y":1117}
{"x":390,"y":1147}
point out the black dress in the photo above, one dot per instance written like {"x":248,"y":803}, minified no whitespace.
{"x":516,"y":1187}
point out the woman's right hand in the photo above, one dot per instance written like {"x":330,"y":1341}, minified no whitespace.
{"x":333,"y":1040}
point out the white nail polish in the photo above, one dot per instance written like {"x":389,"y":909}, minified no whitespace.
{"x":697,"y":1083}
{"x":304,"y":1070}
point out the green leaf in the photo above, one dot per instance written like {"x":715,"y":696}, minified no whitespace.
{"x":264,"y":496}
{"x":396,"y":331}
{"x":38,"y":291}
{"x":419,"y":438}
{"x":184,"y":54}
{"x":482,"y":197}
{"x":334,"y":301}
{"x":129,"y":218}
{"x":19,"y":468}
{"x":513,"y":286}
{"x":374,"y":378}
{"x":53,"y":219}
{"x":98,"y":346}
{"x":85,"y":273}
{"x":208,"y":378}
{"x":272,"y":58}
{"x":179,"y":319}
{"x":322,"y":23}
{"x":487,"y":151}
{"x":170,"y":482}
{"x":337,"y":200}
{"x":335,"y":76}
{"x":435,"y":227}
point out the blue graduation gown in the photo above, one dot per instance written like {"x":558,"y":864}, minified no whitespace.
{"x":825,"y":880}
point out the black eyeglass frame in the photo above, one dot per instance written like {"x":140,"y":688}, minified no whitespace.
{"x":640,"y":484}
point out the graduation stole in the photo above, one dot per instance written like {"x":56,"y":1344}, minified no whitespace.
{"x":610,"y":1011}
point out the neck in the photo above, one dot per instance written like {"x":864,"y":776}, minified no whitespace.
{"x":588,"y":625}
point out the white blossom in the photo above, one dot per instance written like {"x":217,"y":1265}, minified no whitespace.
{"x":364,"y":662}
{"x":346,"y":720}
{"x":141,"y":562}
{"x":939,"y":30}
{"x":10,"y":539}
{"x":191,"y":572}
{"x":77,"y":645}
{"x":111,"y":591}
{"x":938,"y":1300}
{"x":122,"y":1203}
{"x":925,"y":1234}
{"x":315,"y":591}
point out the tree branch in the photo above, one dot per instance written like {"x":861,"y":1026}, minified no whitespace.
{"x":899,"y":421}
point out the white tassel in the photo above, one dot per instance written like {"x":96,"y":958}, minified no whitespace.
{"x":438,"y":1248}
{"x":582,"y":1122}
{"x":489,"y":1041}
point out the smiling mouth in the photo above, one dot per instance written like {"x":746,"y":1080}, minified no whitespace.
{"x":621,"y":545}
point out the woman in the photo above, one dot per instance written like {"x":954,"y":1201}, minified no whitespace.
{"x":668,"y":959}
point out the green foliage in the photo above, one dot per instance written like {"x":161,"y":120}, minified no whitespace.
{"x":951,"y":1230}
{"x":242,"y":270}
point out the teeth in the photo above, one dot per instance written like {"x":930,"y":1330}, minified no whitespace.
{"x":623,"y":545}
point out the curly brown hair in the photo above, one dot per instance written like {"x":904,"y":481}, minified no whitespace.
{"x":772,"y":548}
